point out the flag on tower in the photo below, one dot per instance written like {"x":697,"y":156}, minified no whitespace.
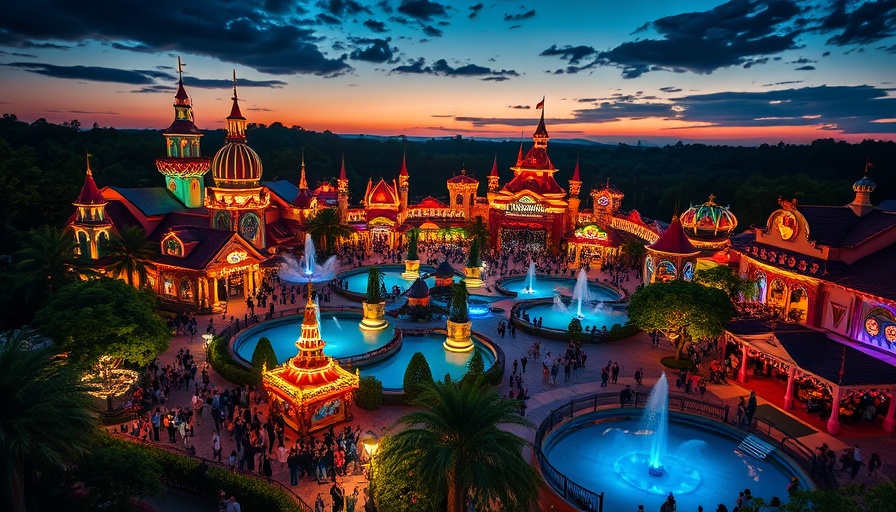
{"x":540,"y":104}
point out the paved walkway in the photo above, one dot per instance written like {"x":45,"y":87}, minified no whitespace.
{"x":631,"y":354}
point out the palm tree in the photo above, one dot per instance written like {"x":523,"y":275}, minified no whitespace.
{"x":478,"y":230}
{"x":130,"y":254}
{"x":46,"y":262}
{"x":457,"y":449}
{"x":46,"y":416}
{"x":327,"y":227}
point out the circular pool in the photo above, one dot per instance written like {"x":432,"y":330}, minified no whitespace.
{"x":601,"y":452}
{"x":356,"y":279}
{"x":547,"y":286}
{"x":593,"y":315}
{"x":345,"y":339}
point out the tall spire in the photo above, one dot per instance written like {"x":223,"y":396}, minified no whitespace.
{"x":575,"y":173}
{"x":303,"y":183}
{"x":236,"y":123}
{"x":90,"y":193}
{"x":342,"y":174}
{"x":541,"y":133}
{"x":181,"y":97}
{"x":495,"y":167}
{"x":404,"y":164}
{"x":519,"y":155}
{"x":493,"y":177}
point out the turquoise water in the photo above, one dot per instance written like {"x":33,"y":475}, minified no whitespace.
{"x":546,"y":286}
{"x":603,"y":315}
{"x":341,"y":332}
{"x":357,"y":280}
{"x":391,"y":371}
{"x":594,"y":455}
{"x":344,"y":338}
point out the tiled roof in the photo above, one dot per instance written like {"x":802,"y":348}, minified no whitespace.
{"x":673,"y":240}
{"x":872,"y":274}
{"x":211,"y":241}
{"x":532,"y":182}
{"x":151,"y":201}
{"x":283,"y":189}
{"x":838,"y":226}
{"x":177,"y":219}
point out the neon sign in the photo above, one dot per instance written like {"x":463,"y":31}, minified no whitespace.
{"x":525,"y":207}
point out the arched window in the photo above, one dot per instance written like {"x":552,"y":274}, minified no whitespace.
{"x":222,"y":220}
{"x":173,"y":247}
{"x":186,"y":289}
{"x":798,"y":305}
{"x":777,"y":291}
{"x":687,"y":272}
{"x":168,"y":287}
{"x":665,"y":271}
{"x":459,"y":200}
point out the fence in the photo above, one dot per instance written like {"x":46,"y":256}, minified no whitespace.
{"x":574,"y":493}
{"x":793,"y":448}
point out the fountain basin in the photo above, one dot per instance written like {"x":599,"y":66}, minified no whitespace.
{"x":356,"y":279}
{"x":607,"y":451}
{"x":545,"y":286}
{"x":604,"y":315}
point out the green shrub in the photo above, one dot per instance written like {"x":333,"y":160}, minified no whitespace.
{"x":263,"y":354}
{"x":374,"y":286}
{"x":369,"y":395}
{"x":417,"y":375}
{"x":574,"y":329}
{"x":621,"y":332}
{"x":458,"y":312}
{"x":219,"y":357}
{"x":475,"y":368}
{"x":412,"y":244}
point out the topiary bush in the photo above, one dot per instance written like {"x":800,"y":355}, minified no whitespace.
{"x":412,"y":244}
{"x":263,"y":354}
{"x":374,"y":286}
{"x":219,"y":357}
{"x":417,"y":375}
{"x":574,"y":329}
{"x":458,"y":311}
{"x":369,"y":395}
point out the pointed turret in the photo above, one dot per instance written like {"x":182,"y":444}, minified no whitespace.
{"x":342,"y":187}
{"x":404,"y":165}
{"x":90,"y":223}
{"x":403,"y":184}
{"x":575,"y":172}
{"x":90,"y":195}
{"x":519,"y":155}
{"x":541,"y":132}
{"x":303,"y":183}
{"x":304,"y":197}
{"x":861,"y":204}
{"x":236,"y":123}
{"x":493,"y":177}
{"x":342,"y":175}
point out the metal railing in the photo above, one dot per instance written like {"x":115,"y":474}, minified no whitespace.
{"x":766,"y":430}
{"x":574,"y":493}
{"x":385,"y":349}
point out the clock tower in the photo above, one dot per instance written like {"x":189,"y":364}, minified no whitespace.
{"x":607,"y":201}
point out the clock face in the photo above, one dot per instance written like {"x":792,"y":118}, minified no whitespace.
{"x":603,"y":200}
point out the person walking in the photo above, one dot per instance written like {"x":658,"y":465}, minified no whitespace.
{"x":216,"y":446}
{"x":615,"y":371}
{"x":604,"y":376}
{"x":751,"y":407}
{"x":625,"y":395}
{"x":523,"y":361}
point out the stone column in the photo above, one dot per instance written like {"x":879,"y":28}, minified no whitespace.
{"x":742,"y":371}
{"x":214,"y":283}
{"x":834,"y":420}
{"x":788,"y":396}
{"x":890,"y":419}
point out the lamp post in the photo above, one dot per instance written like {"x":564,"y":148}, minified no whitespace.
{"x":371,"y":443}
{"x":208,"y":337}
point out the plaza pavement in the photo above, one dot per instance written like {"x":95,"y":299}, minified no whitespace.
{"x":631,"y":354}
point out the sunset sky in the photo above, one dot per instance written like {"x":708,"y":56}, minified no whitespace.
{"x":742,"y":71}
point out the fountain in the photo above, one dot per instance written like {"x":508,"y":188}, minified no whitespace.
{"x":581,"y":293}
{"x":657,"y":421}
{"x":558,"y":304}
{"x":530,"y":275}
{"x":307,"y":269}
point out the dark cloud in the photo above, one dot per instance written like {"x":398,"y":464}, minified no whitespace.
{"x":866,"y":23}
{"x":146,"y":77}
{"x":802,"y":60}
{"x":236,"y":32}
{"x":329,"y":19}
{"x":495,"y":79}
{"x":891,"y":49}
{"x":153,"y":89}
{"x":279,"y":6}
{"x":106,"y":112}
{"x":805,"y":68}
{"x":521,"y":16}
{"x":432,"y":31}
{"x":260,"y":109}
{"x":670,"y":89}
{"x":374,"y":50}
{"x":521,"y":107}
{"x":826,"y":54}
{"x":586,"y":100}
{"x":340,"y":8}
{"x":572,"y":54}
{"x":422,"y":9}
{"x":735,"y":33}
{"x":474,"y":11}
{"x":788,"y":82}
{"x":376,"y":26}
{"x":442,"y":68}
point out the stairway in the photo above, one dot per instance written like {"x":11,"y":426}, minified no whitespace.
{"x":752,"y":445}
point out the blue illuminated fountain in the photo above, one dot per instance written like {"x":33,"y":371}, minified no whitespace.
{"x":530,"y":279}
{"x":307,"y":269}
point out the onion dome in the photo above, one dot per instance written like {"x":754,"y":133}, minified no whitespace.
{"x":444,"y":270}
{"x":90,"y":193}
{"x":418,"y":290}
{"x":708,"y":220}
{"x":864,"y":185}
{"x":673,"y":240}
{"x":236,"y":165}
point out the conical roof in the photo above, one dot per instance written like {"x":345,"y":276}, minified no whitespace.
{"x":444,"y":269}
{"x":418,"y":290}
{"x":90,"y":193}
{"x":673,"y":240}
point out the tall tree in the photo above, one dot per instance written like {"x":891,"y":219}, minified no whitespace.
{"x":47,"y":261}
{"x":47,"y":418}
{"x":683,"y":311}
{"x":633,"y":253}
{"x":130,"y":253}
{"x":455,"y":447}
{"x":326,"y":228}
{"x":104,"y":317}
{"x":726,"y":279}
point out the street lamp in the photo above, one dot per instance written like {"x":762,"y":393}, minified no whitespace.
{"x":208,"y":337}
{"x":371,"y":443}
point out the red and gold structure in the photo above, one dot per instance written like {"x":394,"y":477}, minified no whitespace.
{"x":312,"y":389}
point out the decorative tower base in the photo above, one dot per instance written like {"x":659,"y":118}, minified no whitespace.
{"x":373,"y":316}
{"x":473,"y":277}
{"x":411,"y":269}
{"x":458,"y":337}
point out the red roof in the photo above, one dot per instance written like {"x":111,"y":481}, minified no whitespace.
{"x":404,"y":166}
{"x":495,"y":167}
{"x":181,"y":96}
{"x":462,"y":178}
{"x":90,"y":194}
{"x":541,"y":131}
{"x":342,"y":175}
{"x":382,"y":193}
{"x":575,"y":173}
{"x":430,"y":202}
{"x":673,"y":240}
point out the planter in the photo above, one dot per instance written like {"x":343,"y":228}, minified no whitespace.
{"x":373,"y":316}
{"x":411,"y":269}
{"x":458,"y":337}
{"x":473,"y":276}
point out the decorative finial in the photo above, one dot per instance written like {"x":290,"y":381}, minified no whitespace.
{"x":868,"y":165}
{"x":234,"y":85}
{"x":180,"y":70}
{"x":89,"y":171}
{"x":712,"y":199}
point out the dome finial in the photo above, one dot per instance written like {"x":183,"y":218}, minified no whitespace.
{"x":234,"y":85}
{"x":89,"y":170}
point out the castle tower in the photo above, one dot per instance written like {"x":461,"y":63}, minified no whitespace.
{"x":237,"y":201}
{"x":342,"y":185}
{"x":462,"y":193}
{"x":863,"y":188}
{"x":91,"y":226}
{"x":575,"y":185}
{"x":607,"y":201}
{"x":493,"y":177}
{"x":183,"y":165}
{"x":403,"y":179}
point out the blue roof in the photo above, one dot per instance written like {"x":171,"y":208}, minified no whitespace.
{"x":152,"y":201}
{"x":283,"y":188}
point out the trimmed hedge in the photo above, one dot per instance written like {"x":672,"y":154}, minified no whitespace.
{"x":369,"y":395}
{"x":263,"y":353}
{"x":417,"y":374}
{"x":219,"y":357}
{"x":677,"y":364}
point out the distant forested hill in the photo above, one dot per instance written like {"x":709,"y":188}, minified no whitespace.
{"x":42,"y":168}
